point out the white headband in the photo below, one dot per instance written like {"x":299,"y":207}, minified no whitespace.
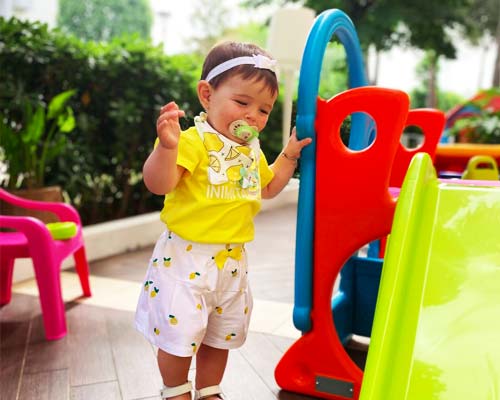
{"x":259,"y":61}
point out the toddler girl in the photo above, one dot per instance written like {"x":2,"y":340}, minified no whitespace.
{"x":196,"y":299}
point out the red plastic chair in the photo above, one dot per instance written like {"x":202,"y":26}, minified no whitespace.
{"x":33,"y":240}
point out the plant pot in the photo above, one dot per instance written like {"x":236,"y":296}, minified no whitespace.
{"x":467,"y":135}
{"x":48,"y":193}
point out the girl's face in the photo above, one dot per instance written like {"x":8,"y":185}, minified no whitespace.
{"x":236,"y":99}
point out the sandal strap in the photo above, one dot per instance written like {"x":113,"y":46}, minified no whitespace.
{"x":209,"y":391}
{"x":173,"y":391}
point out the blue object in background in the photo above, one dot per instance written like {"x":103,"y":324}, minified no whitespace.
{"x":353,"y":305}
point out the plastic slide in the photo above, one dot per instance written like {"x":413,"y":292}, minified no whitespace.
{"x":437,"y":327}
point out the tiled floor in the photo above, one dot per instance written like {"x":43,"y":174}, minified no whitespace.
{"x":103,"y":357}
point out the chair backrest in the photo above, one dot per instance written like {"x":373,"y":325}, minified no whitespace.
{"x":64,"y":212}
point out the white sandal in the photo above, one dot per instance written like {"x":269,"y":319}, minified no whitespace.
{"x":209,"y":391}
{"x":168,"y":392}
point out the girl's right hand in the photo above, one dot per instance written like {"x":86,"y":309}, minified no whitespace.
{"x":167,"y":125}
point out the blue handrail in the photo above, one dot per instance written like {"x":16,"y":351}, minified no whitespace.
{"x":326,"y":24}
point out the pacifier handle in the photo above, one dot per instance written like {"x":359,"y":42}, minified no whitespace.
{"x":242,"y":130}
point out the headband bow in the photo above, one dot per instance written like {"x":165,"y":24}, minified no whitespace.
{"x":264,"y":62}
{"x":257,"y":60}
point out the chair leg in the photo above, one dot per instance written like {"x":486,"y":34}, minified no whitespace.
{"x":48,"y":277}
{"x":6,"y":272}
{"x":82,"y":268}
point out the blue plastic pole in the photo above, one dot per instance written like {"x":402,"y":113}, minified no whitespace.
{"x":327,"y":24}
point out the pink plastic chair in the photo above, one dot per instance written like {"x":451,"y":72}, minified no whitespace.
{"x":33,"y":240}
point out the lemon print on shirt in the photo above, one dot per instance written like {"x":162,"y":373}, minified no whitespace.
{"x":193,"y":275}
{"x":232,"y":154}
{"x":146,"y":285}
{"x":234,"y":173}
{"x":212,"y":142}
{"x":225,"y":160}
{"x":214,"y":163}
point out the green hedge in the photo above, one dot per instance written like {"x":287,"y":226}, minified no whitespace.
{"x":120,"y":87}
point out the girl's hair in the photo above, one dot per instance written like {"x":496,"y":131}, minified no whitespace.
{"x":229,"y":50}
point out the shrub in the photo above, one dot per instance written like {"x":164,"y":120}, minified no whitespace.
{"x":482,"y":126}
{"x":120,"y":87}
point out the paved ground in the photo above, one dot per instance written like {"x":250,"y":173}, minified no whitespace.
{"x":103,"y":357}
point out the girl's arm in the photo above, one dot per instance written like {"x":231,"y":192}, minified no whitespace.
{"x":285,"y":165}
{"x":160,"y":171}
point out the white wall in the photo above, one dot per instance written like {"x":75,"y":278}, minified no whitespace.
{"x":178,"y":29}
{"x":33,"y":10}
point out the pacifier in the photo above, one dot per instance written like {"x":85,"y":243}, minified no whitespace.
{"x":242,"y":130}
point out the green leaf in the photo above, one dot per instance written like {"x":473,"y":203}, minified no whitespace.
{"x":56,"y":148}
{"x":35,"y":127}
{"x":7,"y":134}
{"x":66,"y":122}
{"x":57,"y":104}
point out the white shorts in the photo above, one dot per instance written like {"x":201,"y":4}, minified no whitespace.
{"x":187,"y":299}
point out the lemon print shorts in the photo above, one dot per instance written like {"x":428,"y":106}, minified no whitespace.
{"x":194,"y":293}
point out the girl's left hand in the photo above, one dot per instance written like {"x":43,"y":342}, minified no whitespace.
{"x":295,"y":146}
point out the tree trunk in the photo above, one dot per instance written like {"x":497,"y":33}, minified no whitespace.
{"x":367,"y":55}
{"x":376,"y":70}
{"x":431,"y":100}
{"x":496,"y":67}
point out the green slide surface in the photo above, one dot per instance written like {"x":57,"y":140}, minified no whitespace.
{"x":436,"y":331}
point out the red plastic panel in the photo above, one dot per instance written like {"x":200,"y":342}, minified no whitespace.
{"x":431,"y":122}
{"x":353,"y":207}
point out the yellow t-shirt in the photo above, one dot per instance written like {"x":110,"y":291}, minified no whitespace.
{"x":219,"y":194}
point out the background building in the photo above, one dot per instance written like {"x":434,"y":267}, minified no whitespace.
{"x":470,"y":71}
{"x":33,"y":10}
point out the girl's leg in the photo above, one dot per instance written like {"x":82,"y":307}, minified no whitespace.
{"x":210,"y":367}
{"x":174,"y":371}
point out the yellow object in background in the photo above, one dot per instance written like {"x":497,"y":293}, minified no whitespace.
{"x":62,"y":230}
{"x":481,"y":168}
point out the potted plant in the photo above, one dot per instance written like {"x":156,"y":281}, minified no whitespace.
{"x":482,"y":125}
{"x":32,"y":134}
